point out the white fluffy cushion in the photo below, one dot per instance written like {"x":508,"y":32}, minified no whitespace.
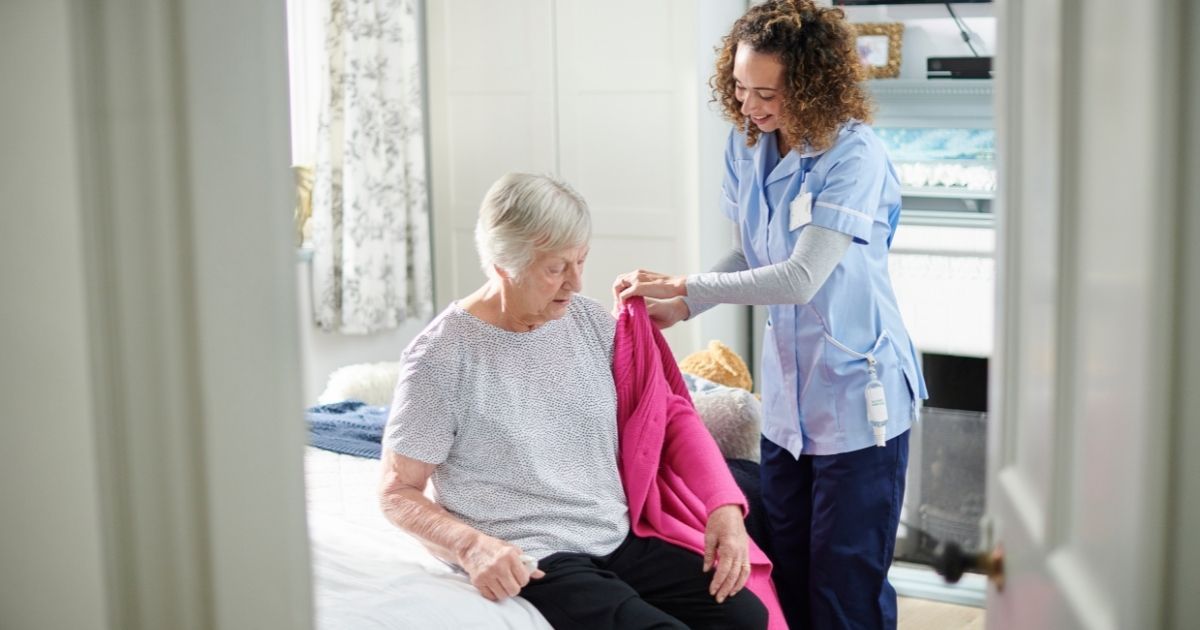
{"x":734,"y":417}
{"x":372,"y":383}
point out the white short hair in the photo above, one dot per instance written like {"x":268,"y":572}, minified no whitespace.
{"x":522,"y":214}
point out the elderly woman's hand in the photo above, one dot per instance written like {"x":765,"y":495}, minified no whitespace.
{"x":495,"y":567}
{"x":728,"y":546}
{"x":648,"y":284}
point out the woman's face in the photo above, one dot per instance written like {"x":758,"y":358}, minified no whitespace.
{"x":758,"y":86}
{"x":544,"y":289}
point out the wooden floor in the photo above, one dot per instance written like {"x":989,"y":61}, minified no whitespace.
{"x":922,"y":614}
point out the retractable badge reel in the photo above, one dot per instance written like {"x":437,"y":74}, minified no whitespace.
{"x":877,"y":414}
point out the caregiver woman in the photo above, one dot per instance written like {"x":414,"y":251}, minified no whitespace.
{"x":815,"y":202}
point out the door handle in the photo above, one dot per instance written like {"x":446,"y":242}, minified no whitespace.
{"x":950,"y":561}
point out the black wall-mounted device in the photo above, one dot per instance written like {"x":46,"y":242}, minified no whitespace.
{"x":958,"y":68}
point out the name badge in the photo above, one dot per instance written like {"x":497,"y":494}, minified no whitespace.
{"x":801,"y":211}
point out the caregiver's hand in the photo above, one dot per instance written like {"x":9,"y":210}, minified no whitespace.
{"x":648,"y":284}
{"x":728,"y":546}
{"x":667,"y":313}
{"x":495,"y":567}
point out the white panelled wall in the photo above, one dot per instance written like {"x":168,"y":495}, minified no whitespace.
{"x":607,"y":96}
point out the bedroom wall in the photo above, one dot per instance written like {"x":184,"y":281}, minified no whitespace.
{"x":729,"y":323}
{"x":323,"y":352}
{"x":50,"y":518}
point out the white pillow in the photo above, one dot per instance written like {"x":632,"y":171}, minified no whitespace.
{"x":372,"y":383}
{"x":734,"y":417}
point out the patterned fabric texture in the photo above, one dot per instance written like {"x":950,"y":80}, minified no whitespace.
{"x":521,"y":427}
{"x":370,"y":222}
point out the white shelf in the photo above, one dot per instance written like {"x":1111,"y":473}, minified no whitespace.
{"x":946,"y":192}
{"x":884,"y":88}
{"x":947,"y":103}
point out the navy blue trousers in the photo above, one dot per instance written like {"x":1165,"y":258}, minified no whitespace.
{"x":832,"y":522}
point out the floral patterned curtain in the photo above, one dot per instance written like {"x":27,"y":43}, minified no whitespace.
{"x":370,"y":213}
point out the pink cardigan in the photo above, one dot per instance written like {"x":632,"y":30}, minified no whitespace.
{"x":673,"y":472}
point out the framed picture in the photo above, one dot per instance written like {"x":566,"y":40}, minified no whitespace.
{"x":879,"y":48}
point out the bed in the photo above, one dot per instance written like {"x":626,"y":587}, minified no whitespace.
{"x":369,"y":575}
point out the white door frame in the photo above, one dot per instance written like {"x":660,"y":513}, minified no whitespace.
{"x":1181,"y":605}
{"x":183,"y":118}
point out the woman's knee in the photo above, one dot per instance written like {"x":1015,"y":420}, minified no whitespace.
{"x":744,"y":611}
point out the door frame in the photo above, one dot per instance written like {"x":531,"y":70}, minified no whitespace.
{"x":182,"y":111}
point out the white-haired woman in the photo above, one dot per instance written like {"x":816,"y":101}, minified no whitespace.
{"x":507,"y":401}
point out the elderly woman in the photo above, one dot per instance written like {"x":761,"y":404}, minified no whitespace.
{"x":507,"y":402}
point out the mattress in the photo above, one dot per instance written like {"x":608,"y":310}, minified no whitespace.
{"x":369,"y":575}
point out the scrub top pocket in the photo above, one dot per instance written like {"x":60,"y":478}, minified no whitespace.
{"x":847,"y":368}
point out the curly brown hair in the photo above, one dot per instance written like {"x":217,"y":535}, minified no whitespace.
{"x":822,"y":73}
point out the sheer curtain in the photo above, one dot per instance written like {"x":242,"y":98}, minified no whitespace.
{"x":371,"y":264}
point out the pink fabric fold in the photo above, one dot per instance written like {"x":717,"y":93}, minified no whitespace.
{"x":673,"y":472}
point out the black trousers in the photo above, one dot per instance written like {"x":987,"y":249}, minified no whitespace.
{"x":645,"y":583}
{"x":833,"y":525}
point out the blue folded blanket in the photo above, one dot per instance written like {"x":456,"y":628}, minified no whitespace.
{"x":350,"y":427}
{"x":355,"y":428}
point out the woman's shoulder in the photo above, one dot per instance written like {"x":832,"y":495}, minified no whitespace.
{"x":857,"y":136}
{"x":589,"y":309}
{"x":592,"y":315}
{"x":855,"y":141}
{"x":735,"y":148}
{"x":441,"y":339}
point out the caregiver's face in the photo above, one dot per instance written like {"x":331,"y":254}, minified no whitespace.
{"x":758,"y":86}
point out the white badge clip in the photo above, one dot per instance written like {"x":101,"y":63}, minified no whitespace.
{"x":801,"y":211}
{"x":876,"y":397}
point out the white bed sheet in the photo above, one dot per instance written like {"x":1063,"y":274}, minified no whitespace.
{"x":368,"y":575}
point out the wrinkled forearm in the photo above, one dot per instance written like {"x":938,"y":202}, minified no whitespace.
{"x":444,"y":535}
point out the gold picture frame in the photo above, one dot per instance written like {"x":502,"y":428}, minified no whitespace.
{"x":878,"y":47}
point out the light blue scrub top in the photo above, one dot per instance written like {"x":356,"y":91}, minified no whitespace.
{"x":815,"y":356}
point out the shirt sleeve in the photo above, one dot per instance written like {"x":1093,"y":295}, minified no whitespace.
{"x":849,"y":199}
{"x":796,"y":280}
{"x":729,"y":183}
{"x":421,"y":424}
{"x":734,"y":260}
{"x":693,"y":454}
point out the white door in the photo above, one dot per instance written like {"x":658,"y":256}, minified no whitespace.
{"x":602,"y":95}
{"x":1082,"y":385}
{"x":491,"y":111}
{"x":627,"y":136}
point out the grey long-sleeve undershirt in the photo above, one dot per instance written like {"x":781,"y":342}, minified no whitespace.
{"x":793,"y":281}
